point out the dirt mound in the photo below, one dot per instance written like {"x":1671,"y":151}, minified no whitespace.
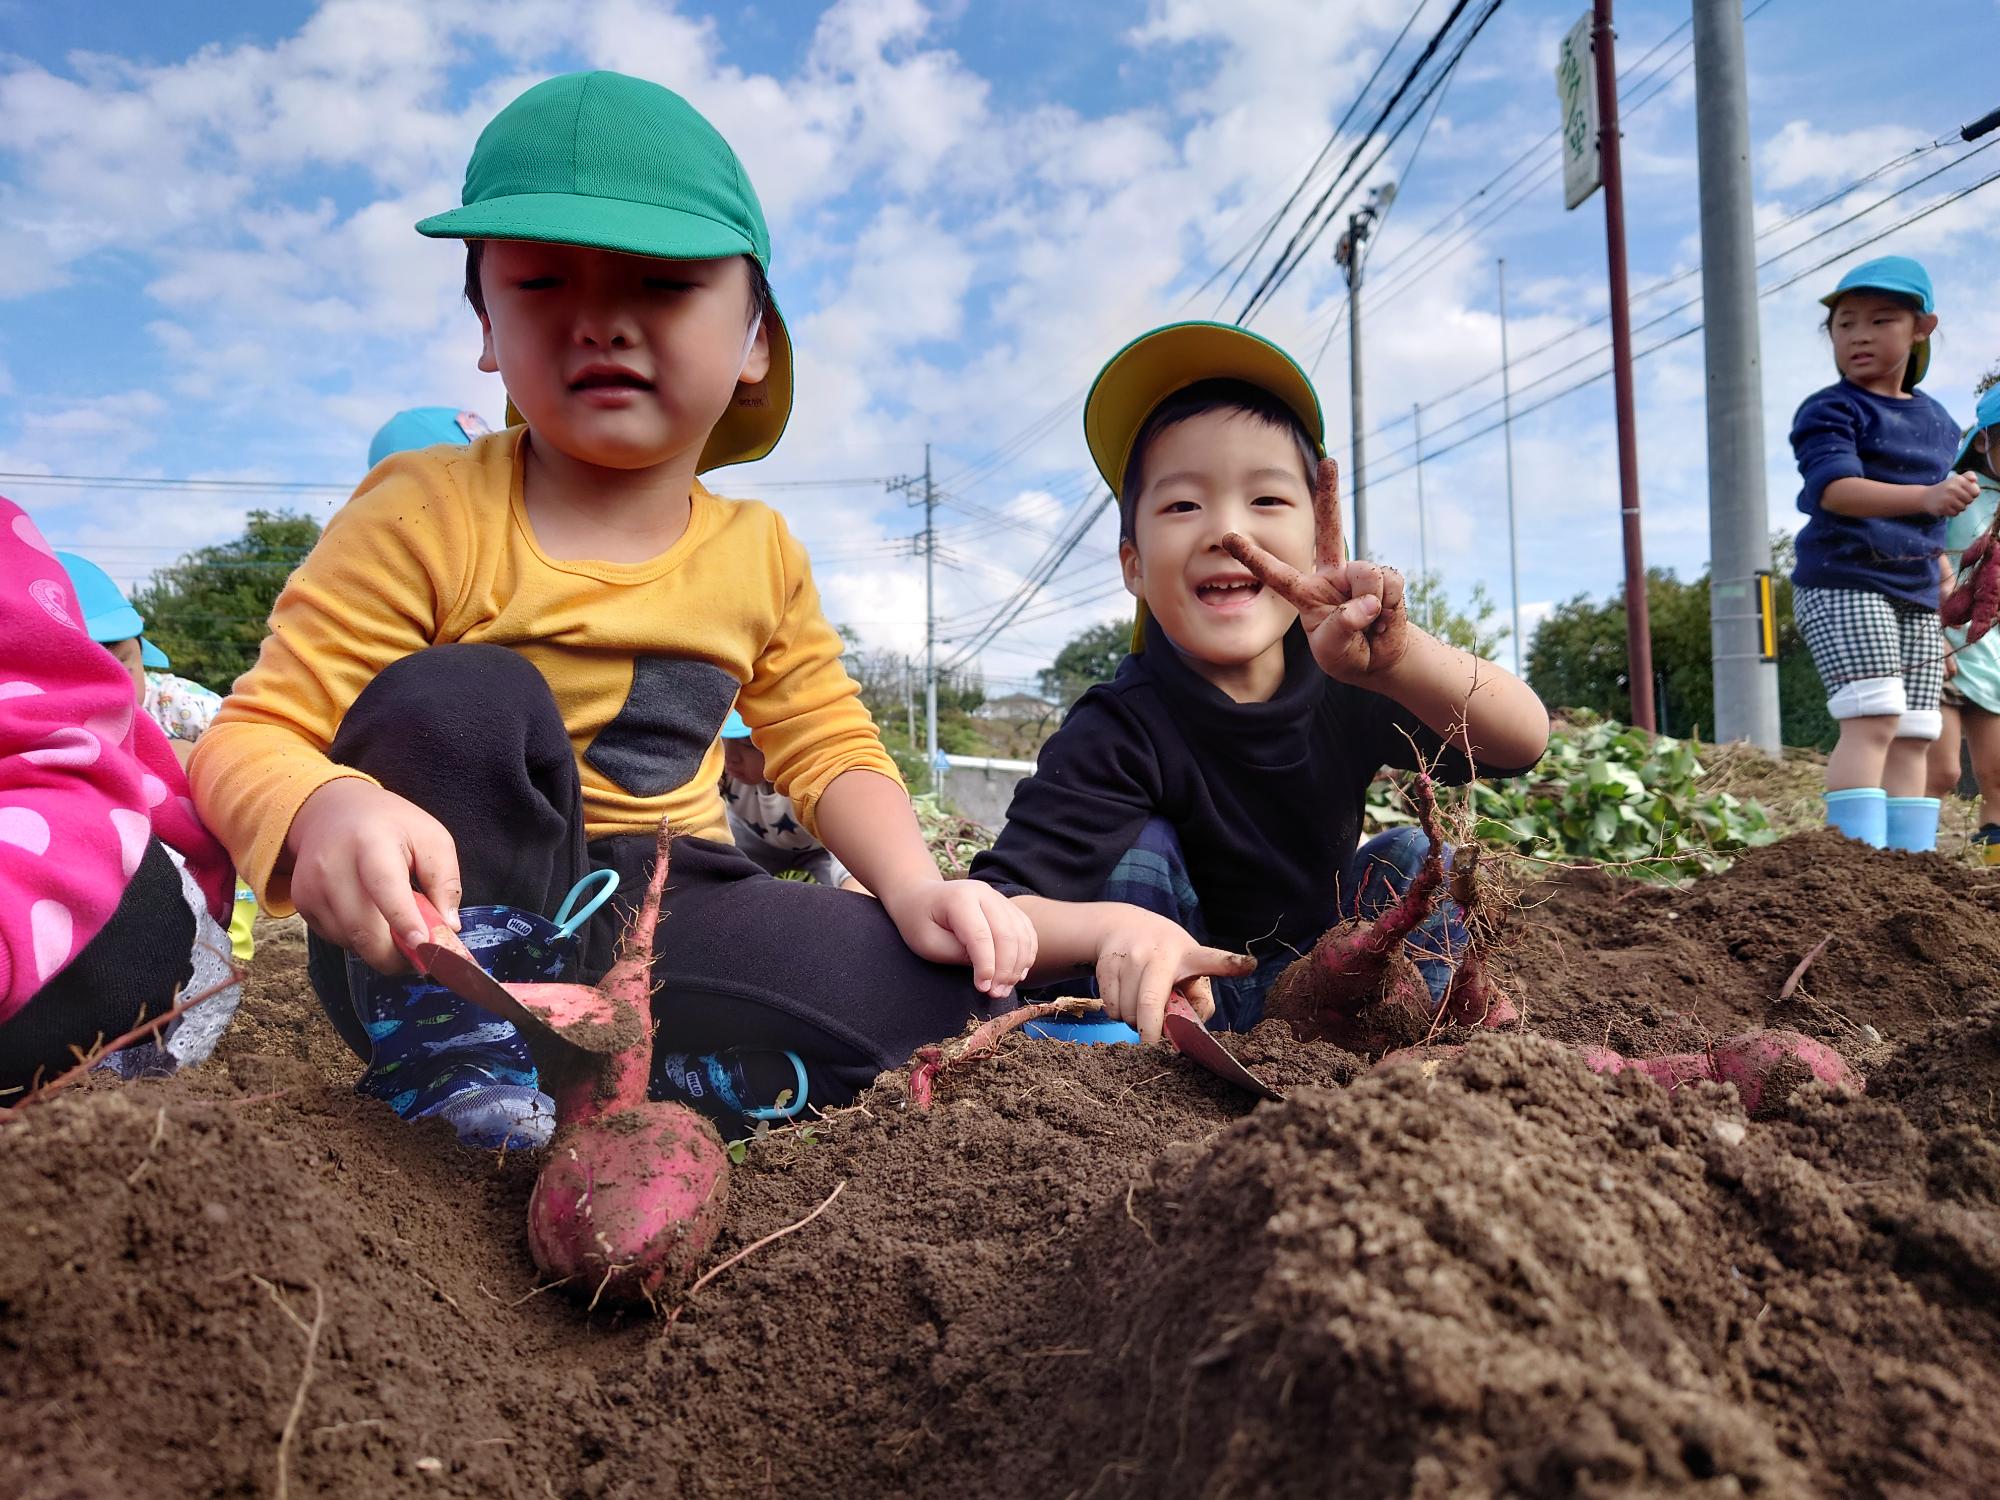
{"x":1910,"y":940}
{"x":1096,"y":1271}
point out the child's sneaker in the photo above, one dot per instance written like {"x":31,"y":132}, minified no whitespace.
{"x":1987,"y":842}
{"x":727,"y":1085}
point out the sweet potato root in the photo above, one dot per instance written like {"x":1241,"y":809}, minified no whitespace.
{"x":935,"y":1061}
{"x":1473,"y":999}
{"x":1357,"y":988}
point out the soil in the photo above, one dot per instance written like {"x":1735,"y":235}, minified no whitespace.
{"x":1097,"y":1271}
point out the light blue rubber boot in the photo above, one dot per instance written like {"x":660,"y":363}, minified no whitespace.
{"x":1860,"y":812}
{"x":1912,"y":823}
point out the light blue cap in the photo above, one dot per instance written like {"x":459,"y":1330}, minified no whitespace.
{"x":108,"y":615}
{"x":733,"y":727}
{"x":425,"y":427}
{"x":1986,"y":415}
{"x":1904,"y":277}
{"x":1886,"y":273}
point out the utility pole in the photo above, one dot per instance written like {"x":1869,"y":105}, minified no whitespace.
{"x":927,"y":543}
{"x":1423,"y":532}
{"x":930,"y":617}
{"x":1349,"y":254}
{"x":1638,"y":626}
{"x":1739,"y":543}
{"x":1507,"y":429}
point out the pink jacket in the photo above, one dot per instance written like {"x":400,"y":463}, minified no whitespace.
{"x":85,"y":778}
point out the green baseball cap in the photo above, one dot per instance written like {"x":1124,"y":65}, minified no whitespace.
{"x":610,"y":162}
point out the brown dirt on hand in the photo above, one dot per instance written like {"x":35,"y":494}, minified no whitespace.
{"x":1097,"y":1271}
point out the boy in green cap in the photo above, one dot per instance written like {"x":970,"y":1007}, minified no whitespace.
{"x":1209,"y":797}
{"x":505,"y":663}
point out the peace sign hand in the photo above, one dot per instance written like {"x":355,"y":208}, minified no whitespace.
{"x":1352,"y":611}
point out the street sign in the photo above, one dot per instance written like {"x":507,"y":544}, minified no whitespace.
{"x":941,"y":763}
{"x":1576,"y":91}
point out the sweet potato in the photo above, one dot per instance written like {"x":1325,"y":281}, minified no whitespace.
{"x":633,"y":1192}
{"x":1764,"y":1066}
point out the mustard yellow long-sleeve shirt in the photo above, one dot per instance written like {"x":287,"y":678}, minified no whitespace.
{"x":644,"y":659}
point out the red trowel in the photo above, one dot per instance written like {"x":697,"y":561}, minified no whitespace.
{"x":1195,"y":1041}
{"x":569,"y":1014}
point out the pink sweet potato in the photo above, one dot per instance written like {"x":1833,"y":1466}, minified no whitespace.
{"x":634,"y":1190}
{"x":1764,"y":1066}
{"x":1358,"y":988}
{"x":1770,"y":1064}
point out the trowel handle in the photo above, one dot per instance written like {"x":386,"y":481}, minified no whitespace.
{"x":440,"y":931}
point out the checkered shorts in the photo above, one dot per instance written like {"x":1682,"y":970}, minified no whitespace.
{"x":1858,"y":636}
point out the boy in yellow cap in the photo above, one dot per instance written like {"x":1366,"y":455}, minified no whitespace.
{"x":505,"y":663}
{"x":1209,"y":797}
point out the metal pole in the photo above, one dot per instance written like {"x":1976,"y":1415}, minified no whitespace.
{"x":1507,"y":429}
{"x":910,"y":700}
{"x":930,"y":618}
{"x":1739,"y":542}
{"x":1423,"y":533}
{"x":1357,"y":478}
{"x":1638,"y":627}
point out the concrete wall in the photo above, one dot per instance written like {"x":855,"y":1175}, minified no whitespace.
{"x":981,"y":789}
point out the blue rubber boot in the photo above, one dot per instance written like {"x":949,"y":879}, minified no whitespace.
{"x":1912,"y":823}
{"x":433,"y":1055}
{"x":736,"y":1088}
{"x":1860,"y":812}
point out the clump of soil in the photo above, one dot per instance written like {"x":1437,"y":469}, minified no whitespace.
{"x":1097,"y":1270}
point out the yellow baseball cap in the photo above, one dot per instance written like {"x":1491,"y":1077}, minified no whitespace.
{"x":1155,"y":365}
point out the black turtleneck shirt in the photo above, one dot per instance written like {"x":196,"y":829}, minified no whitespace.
{"x":1266,"y":798}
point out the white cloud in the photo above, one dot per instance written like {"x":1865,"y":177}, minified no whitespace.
{"x":1801,"y":155}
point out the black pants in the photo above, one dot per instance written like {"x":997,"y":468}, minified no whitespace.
{"x":471,"y":734}
{"x":133,"y":968}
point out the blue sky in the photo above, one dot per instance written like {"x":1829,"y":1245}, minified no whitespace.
{"x":208,"y":268}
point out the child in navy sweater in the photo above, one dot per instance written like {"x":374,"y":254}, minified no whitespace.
{"x":1875,"y":455}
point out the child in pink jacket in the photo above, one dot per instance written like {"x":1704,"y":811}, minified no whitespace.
{"x":111,"y":891}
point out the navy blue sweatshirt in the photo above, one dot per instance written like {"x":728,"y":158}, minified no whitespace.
{"x":1266,"y":798}
{"x":1845,"y":432}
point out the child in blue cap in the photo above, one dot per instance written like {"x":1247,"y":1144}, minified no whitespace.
{"x":505,"y":664}
{"x":181,"y":707}
{"x":1972,"y":693}
{"x":764,"y":822}
{"x":1876,"y":458}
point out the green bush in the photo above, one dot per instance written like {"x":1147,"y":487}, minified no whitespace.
{"x":1610,"y":793}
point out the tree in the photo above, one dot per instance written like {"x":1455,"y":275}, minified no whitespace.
{"x":1472,"y":630}
{"x":1091,"y":657}
{"x":1577,"y":657}
{"x":211,"y":610}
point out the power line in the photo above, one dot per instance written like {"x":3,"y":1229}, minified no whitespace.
{"x":1401,"y":276}
{"x":1325,"y":151}
{"x":1681,"y":307}
{"x":1695,"y":327}
{"x":1311,"y":228}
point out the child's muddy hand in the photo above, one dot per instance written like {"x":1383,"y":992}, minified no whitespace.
{"x":967,"y":922}
{"x":1143,"y":958}
{"x":1352,"y":611}
{"x":1368,"y":634}
{"x":354,"y":848}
